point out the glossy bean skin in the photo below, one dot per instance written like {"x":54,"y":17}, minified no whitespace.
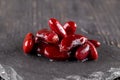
{"x":46,"y":35}
{"x":52,"y":37}
{"x":70,"y":27}
{"x":82,"y":52}
{"x":95,"y":43}
{"x":57,"y":27}
{"x":53,"y":52}
{"x":40,"y":35}
{"x":28,"y":43}
{"x":72,"y":41}
{"x":93,"y":52}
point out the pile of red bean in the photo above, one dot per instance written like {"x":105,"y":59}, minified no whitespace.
{"x":61,"y":43}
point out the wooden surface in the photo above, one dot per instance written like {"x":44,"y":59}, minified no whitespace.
{"x":97,"y":19}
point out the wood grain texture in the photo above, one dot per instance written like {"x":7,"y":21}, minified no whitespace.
{"x":97,"y":19}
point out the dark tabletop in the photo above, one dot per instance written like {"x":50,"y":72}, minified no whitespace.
{"x":97,"y":19}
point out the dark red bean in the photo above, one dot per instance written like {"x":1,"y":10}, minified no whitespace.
{"x":70,"y":27}
{"x":82,"y":52}
{"x":71,"y":41}
{"x":62,"y":43}
{"x":48,"y":36}
{"x":40,"y":47}
{"x":95,"y":43}
{"x":53,"y":52}
{"x":40,"y":35}
{"x":52,"y":37}
{"x":57,"y":27}
{"x":28,"y":43}
{"x":93,"y":52}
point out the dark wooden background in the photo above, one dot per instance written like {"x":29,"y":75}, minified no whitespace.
{"x":97,"y":19}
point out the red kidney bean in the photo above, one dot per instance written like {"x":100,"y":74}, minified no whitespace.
{"x":71,"y":41}
{"x":95,"y":43}
{"x":82,"y":52}
{"x":41,"y":34}
{"x":62,"y":43}
{"x":45,"y":35}
{"x":52,"y":37}
{"x":53,"y":52}
{"x":57,"y":27}
{"x":28,"y":43}
{"x":40,"y":47}
{"x":70,"y":27}
{"x":93,"y":52}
